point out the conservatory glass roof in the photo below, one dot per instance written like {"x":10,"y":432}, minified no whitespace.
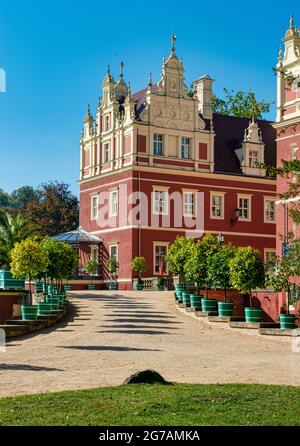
{"x":78,"y":236}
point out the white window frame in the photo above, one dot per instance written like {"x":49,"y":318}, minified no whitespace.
{"x":114,"y":245}
{"x":113,"y":212}
{"x":185,"y":147}
{"x":95,"y":249}
{"x":93,"y":197}
{"x":163,"y":244}
{"x":253,"y":159}
{"x":105,"y":152}
{"x":219,"y":195}
{"x":158,"y":142}
{"x":106,"y":123}
{"x":164,"y":191}
{"x":191,"y":204}
{"x":266,"y":219}
{"x":249,"y":198}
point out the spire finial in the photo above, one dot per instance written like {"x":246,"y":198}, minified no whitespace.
{"x":173,"y":38}
{"x":121,"y":69}
{"x":108,"y":69}
{"x":150,"y":79}
{"x":292,"y":23}
{"x":89,"y":109}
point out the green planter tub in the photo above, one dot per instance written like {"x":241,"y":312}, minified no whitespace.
{"x":91,"y":286}
{"x":112,"y":286}
{"x":160,"y":288}
{"x":44,"y":309}
{"x":179,"y":287}
{"x":55,"y":302}
{"x":195,"y":301}
{"x":209,"y":305}
{"x":225,"y":309}
{"x":287,"y":321}
{"x":67,"y":287}
{"x":139,"y":286}
{"x":186,"y":298}
{"x":29,"y":312}
{"x":179,"y":296}
{"x":253,"y":314}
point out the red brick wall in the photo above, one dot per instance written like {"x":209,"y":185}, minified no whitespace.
{"x":7,"y":301}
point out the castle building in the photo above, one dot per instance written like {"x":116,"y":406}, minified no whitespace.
{"x":160,"y":163}
{"x":287,"y":129}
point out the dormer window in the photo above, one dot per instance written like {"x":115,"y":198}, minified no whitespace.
{"x":253,"y":158}
{"x":106,"y":123}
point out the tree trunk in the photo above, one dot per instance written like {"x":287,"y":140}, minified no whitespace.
{"x":225,"y":297}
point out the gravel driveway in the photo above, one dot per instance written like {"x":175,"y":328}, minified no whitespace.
{"x":108,"y":336}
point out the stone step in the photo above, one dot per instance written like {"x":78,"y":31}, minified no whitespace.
{"x":226,"y":319}
{"x":33,"y":325}
{"x":15,"y":330}
{"x":279,"y":332}
{"x":253,"y":325}
{"x":205,"y":313}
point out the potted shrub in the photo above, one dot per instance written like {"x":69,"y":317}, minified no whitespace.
{"x":247,"y":272}
{"x":161,"y":284}
{"x":218,"y":275}
{"x":279,"y":277}
{"x":29,"y":259}
{"x":112,"y":267}
{"x":178,"y":254}
{"x":139,"y":265}
{"x":196,"y":270}
{"x":91,"y":267}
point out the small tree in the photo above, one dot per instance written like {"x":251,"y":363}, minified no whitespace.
{"x":195,"y":267}
{"x":29,"y":260}
{"x":247,"y":271}
{"x":63,"y":260}
{"x":139,"y":265}
{"x":218,"y":270}
{"x":280,"y":275}
{"x":91,"y":267}
{"x":179,"y":252}
{"x":112,"y":266}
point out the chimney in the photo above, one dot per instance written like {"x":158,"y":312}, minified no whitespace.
{"x":203,"y":92}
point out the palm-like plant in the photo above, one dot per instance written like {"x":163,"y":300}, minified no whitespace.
{"x":12,"y":230}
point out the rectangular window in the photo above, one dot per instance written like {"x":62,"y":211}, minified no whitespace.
{"x":270,"y":215}
{"x":113,"y":252}
{"x":160,"y":202}
{"x":94,"y":207}
{"x":253,"y":158}
{"x":185,"y":148}
{"x":217,"y":206}
{"x":106,"y":152}
{"x":157,"y":144}
{"x":160,"y":259}
{"x":95,"y":253}
{"x":244,"y":207}
{"x":106,"y":123}
{"x":113,"y":206}
{"x":189,"y":200}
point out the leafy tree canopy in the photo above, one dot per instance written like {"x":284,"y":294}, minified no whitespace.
{"x":29,"y":259}
{"x":179,"y":251}
{"x":246,"y":270}
{"x":195,"y":266}
{"x":63,"y":260}
{"x":218,"y":271}
{"x":242,"y":104}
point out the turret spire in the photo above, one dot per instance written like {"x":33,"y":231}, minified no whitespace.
{"x":121,"y":69}
{"x":292,"y":23}
{"x":173,"y":50}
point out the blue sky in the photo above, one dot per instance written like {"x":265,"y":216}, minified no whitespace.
{"x":55,"y":55}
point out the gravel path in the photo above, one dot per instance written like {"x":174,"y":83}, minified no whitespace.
{"x":109,"y":336}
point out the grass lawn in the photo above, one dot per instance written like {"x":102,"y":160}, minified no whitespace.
{"x":178,"y":404}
